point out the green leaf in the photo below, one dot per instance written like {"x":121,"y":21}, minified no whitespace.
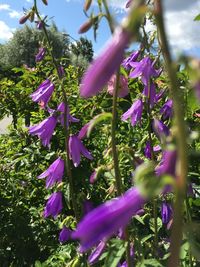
{"x":97,"y":119}
{"x":149,"y":263}
{"x":115,"y":253}
{"x":197,"y":18}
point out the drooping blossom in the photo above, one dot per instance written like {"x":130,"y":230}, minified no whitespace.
{"x":108,"y":218}
{"x":54,"y":205}
{"x":43,"y":92}
{"x":160,"y":95}
{"x":76,"y":148}
{"x":160,"y":129}
{"x":102,"y":68}
{"x":65,"y":235}
{"x":40,"y":55}
{"x":83,"y":131}
{"x":24,"y":18}
{"x":144,"y":69}
{"x":132,"y":58}
{"x":54,"y":173}
{"x":168,"y":163}
{"x":87,"y":206}
{"x":39,"y":24}
{"x":150,"y":93}
{"x":166,"y":110}
{"x":166,"y":212}
{"x":134,"y":112}
{"x":96,"y":253}
{"x":123,"y":86}
{"x":69,"y":119}
{"x":147,"y":150}
{"x":44,"y":130}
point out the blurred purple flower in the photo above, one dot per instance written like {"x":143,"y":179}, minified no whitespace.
{"x":144,"y":69}
{"x":197,"y":90}
{"x":147,"y":150}
{"x":160,"y":95}
{"x":69,"y":119}
{"x":61,"y":71}
{"x":166,"y":212}
{"x":96,"y":253}
{"x":76,"y":148}
{"x":54,"y":205}
{"x":132,"y":58}
{"x":134,"y":112}
{"x":39,"y":24}
{"x":160,"y":129}
{"x":54,"y":173}
{"x":123,"y":86}
{"x":166,"y":109}
{"x":168,"y":163}
{"x":93,"y":177}
{"x":101,"y":69}
{"x":65,"y":235}
{"x":106,"y":220}
{"x":87,"y":206}
{"x":43,"y":92}
{"x":150,"y":93}
{"x":44,"y":130}
{"x":83,"y":131}
{"x":40,"y":55}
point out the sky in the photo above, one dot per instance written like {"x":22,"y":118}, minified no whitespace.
{"x":183,"y":32}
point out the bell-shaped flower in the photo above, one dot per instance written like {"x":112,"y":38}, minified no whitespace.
{"x":43,"y":92}
{"x":160,"y":129}
{"x":160,"y":95}
{"x":106,"y":220}
{"x":69,"y":118}
{"x":96,"y":253}
{"x":166,"y":212}
{"x":150,"y":93}
{"x":54,"y":205}
{"x":123,"y":86}
{"x":144,"y":69}
{"x":83,"y":131}
{"x":76,"y":148}
{"x":166,"y":110}
{"x":132,"y":58}
{"x":134,"y":112}
{"x":102,"y":68}
{"x":167,"y":164}
{"x":54,"y":173}
{"x":65,"y":235}
{"x":147,"y":150}
{"x":44,"y":130}
{"x":41,"y":54}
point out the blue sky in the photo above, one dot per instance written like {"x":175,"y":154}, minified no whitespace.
{"x":183,"y":32}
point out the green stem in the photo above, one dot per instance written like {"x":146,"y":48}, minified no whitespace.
{"x":66,"y":129}
{"x":180,"y":133}
{"x":108,"y":15}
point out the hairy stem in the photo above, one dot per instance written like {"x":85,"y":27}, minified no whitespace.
{"x":180,"y":133}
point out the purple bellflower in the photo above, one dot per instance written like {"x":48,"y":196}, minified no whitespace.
{"x":69,"y":119}
{"x":54,"y":173}
{"x":167,"y":164}
{"x":43,"y":92}
{"x":65,"y":235}
{"x":76,"y":148}
{"x":39,"y":24}
{"x":83,"y":131}
{"x":197,"y":90}
{"x":166,"y":109}
{"x":106,"y":220}
{"x":123,"y":86}
{"x":166,"y":212}
{"x":96,"y":253}
{"x":160,"y":129}
{"x":160,"y":95}
{"x":144,"y":69}
{"x":102,"y":68}
{"x":147,"y":150}
{"x":93,"y":177}
{"x":132,"y":58}
{"x":40,"y":55}
{"x":54,"y":205}
{"x":44,"y":130}
{"x":134,"y":112}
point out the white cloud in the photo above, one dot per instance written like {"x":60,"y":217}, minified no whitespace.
{"x":5,"y":31}
{"x":14,"y":14}
{"x":4,"y":7}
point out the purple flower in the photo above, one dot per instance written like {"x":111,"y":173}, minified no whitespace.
{"x":61,"y":71}
{"x":54,"y":173}
{"x":166,"y":109}
{"x":54,"y":205}
{"x":197,"y":90}
{"x":43,"y":92}
{"x":94,"y":256}
{"x":167,"y":164}
{"x":39,"y":25}
{"x":93,"y":177}
{"x":144,"y":69}
{"x":76,"y":148}
{"x":40,"y":55}
{"x":166,"y":212}
{"x":147,"y":150}
{"x":123,"y":86}
{"x":160,"y":95}
{"x":83,"y":132}
{"x":65,"y":235}
{"x":87,"y":206}
{"x":102,"y":68}
{"x":69,"y":119}
{"x":160,"y":128}
{"x":150,"y":93}
{"x":106,"y":220}
{"x":134,"y":112}
{"x":44,"y":130}
{"x":132,"y":58}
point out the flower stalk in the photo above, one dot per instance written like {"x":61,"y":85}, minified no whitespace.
{"x":180,"y":134}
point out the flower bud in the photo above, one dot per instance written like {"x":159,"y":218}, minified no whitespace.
{"x":86,"y":26}
{"x":45,"y":2}
{"x":87,"y":5}
{"x":24,"y":18}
